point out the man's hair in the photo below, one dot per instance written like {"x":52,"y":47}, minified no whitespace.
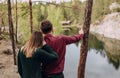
{"x":46,"y":26}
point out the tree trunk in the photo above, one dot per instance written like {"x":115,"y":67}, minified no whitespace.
{"x":16,"y":24}
{"x":84,"y":46}
{"x":3,"y":24}
{"x":31,"y":22}
{"x":11,"y":30}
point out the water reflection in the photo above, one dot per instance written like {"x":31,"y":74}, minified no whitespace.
{"x":103,"y":59}
{"x":96,"y":44}
{"x":111,"y":47}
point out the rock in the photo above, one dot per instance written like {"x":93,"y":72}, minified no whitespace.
{"x":114,"y":6}
{"x":109,"y":26}
{"x":7,"y":52}
{"x":2,"y":66}
{"x":4,"y":29}
{"x":66,"y":22}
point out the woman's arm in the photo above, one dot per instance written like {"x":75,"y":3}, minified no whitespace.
{"x":46,"y":54}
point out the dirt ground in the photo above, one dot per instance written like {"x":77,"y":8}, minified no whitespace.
{"x":7,"y":67}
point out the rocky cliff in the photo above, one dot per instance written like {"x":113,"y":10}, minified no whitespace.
{"x":109,"y":26}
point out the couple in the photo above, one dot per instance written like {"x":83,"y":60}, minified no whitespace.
{"x":36,"y":59}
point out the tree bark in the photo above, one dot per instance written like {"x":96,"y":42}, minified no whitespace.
{"x":16,"y":23}
{"x":11,"y":30}
{"x":84,"y":46}
{"x":31,"y":17}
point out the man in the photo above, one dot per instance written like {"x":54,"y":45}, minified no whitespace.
{"x":58,"y":43}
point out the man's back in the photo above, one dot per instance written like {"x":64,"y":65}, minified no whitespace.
{"x":58,"y":44}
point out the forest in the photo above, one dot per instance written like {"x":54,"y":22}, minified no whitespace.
{"x":56,"y":12}
{"x":18,"y":19}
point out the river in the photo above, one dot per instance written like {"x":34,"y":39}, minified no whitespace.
{"x":103,"y":60}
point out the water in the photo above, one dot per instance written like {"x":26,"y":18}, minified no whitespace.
{"x":103,"y":60}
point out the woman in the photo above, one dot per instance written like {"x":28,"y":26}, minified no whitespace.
{"x":32,"y":54}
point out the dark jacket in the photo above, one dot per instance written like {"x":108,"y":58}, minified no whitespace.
{"x":30,"y":67}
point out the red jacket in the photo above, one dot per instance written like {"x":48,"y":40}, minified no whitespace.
{"x":58,"y":43}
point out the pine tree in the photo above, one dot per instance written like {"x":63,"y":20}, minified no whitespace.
{"x":84,"y":46}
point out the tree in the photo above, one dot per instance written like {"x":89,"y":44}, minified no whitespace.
{"x":84,"y":46}
{"x":76,"y":10}
{"x":16,"y":23}
{"x":31,"y":17}
{"x":11,"y":30}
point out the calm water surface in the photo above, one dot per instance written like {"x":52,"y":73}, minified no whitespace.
{"x":103,"y":60}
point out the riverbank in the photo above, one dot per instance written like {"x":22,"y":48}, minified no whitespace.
{"x":7,"y":67}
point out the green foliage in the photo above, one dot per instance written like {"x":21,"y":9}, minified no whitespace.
{"x":3,"y":14}
{"x":76,"y":11}
{"x":42,"y":12}
{"x":73,"y":11}
{"x":4,"y":36}
{"x":101,"y":8}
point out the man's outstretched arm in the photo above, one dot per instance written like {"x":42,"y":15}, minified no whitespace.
{"x":74,"y":38}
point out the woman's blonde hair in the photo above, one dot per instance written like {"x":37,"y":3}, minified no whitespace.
{"x":35,"y":41}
